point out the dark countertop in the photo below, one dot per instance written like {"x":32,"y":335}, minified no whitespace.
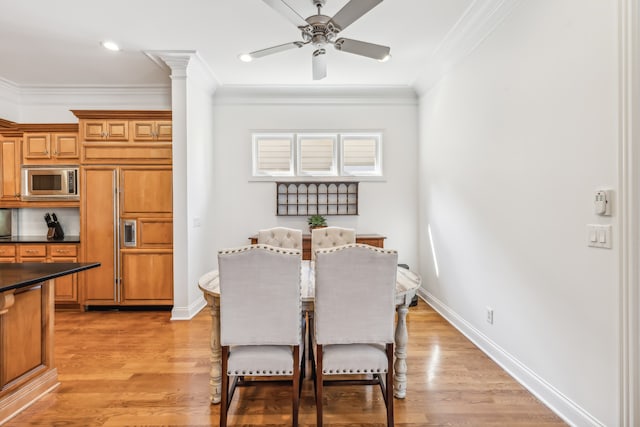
{"x":38,"y":239}
{"x":13,"y":276}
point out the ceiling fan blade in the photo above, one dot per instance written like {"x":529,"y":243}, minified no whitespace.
{"x":369,"y":50}
{"x":319,"y":64}
{"x":284,"y":9}
{"x":274,"y":49}
{"x":352,"y":11}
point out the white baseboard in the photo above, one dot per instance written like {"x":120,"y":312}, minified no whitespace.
{"x":187,"y":313}
{"x":565,"y":408}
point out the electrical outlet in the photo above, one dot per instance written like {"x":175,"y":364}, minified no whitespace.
{"x":490,"y":315}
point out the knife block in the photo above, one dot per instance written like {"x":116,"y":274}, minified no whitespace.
{"x":55,"y":233}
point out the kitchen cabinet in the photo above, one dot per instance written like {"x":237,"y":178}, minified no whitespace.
{"x":149,"y":130}
{"x":7,"y":253}
{"x":125,"y":137}
{"x":66,"y":287}
{"x":50,"y":148}
{"x":105,"y":130}
{"x":127,"y":226}
{"x":10,"y":168}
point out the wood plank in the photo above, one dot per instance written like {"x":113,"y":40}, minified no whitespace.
{"x":140,"y":368}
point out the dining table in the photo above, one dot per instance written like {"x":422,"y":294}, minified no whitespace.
{"x":407,"y":284}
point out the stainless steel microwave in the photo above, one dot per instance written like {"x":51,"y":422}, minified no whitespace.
{"x":50,"y":183}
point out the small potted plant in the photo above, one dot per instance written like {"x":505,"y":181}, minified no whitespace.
{"x":316,"y":221}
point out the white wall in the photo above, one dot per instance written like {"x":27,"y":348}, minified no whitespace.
{"x":200,"y":177}
{"x":513,"y":143}
{"x":388,"y":208}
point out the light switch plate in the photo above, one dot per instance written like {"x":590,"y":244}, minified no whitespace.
{"x":599,"y":236}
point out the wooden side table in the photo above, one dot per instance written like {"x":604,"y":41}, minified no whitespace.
{"x":376,"y":240}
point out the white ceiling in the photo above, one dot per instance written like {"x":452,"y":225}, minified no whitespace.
{"x":52,"y":43}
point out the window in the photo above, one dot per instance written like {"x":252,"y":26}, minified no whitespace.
{"x":319,"y":155}
{"x":360,"y":154}
{"x":273,"y":155}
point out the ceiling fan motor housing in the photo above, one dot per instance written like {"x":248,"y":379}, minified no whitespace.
{"x":320,"y":30}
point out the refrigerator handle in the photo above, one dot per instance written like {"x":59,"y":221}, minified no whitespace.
{"x":129,"y":232}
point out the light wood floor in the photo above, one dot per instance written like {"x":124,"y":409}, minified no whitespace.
{"x":139,"y":368}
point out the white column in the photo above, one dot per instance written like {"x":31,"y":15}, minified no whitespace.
{"x":192,"y":88}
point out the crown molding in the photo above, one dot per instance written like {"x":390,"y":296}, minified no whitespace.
{"x":9,"y":91}
{"x":185,"y":63}
{"x":319,"y":95}
{"x":480,"y":19}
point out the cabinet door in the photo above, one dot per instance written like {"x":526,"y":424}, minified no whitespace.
{"x":146,"y":191}
{"x":94,"y":130}
{"x":7,"y":253}
{"x":37,"y":146}
{"x":66,"y":287}
{"x":65,"y":146}
{"x":97,"y":220}
{"x":117,"y":130}
{"x":10,"y":157}
{"x":150,"y":130}
{"x":142,"y":130}
{"x":164,"y":130}
{"x":147,"y":277}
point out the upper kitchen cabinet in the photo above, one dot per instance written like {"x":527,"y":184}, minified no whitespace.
{"x":105,"y":130}
{"x":10,"y":168}
{"x":10,"y":155}
{"x":58,"y":145}
{"x":149,"y":130}
{"x":125,"y":137}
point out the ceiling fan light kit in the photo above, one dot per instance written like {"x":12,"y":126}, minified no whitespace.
{"x":321,"y":30}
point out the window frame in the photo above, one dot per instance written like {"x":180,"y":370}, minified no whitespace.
{"x":333,"y":172}
{"x":377,"y":136}
{"x":295,"y":173}
{"x":256,"y":138}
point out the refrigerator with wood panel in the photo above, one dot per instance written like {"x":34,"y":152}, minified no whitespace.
{"x":127,"y":226}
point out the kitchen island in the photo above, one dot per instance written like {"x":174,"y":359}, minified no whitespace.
{"x":27,"y":369}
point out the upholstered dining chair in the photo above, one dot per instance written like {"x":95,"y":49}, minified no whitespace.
{"x":281,"y":237}
{"x":260,"y":328}
{"x":330,"y":237}
{"x":354,"y":317}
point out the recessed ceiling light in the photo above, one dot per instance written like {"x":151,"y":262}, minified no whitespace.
{"x":108,"y":44}
{"x":245,"y":57}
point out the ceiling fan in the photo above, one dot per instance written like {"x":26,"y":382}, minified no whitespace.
{"x":321,"y":30}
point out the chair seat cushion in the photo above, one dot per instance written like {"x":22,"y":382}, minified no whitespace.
{"x":260,"y":360}
{"x":338,"y":359}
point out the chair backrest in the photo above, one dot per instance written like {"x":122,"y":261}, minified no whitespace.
{"x":330,"y":237}
{"x":355,"y":294}
{"x":259,"y":295}
{"x":281,"y":237}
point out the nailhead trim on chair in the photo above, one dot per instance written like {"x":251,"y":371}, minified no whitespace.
{"x":351,"y":371}
{"x":233,"y":373}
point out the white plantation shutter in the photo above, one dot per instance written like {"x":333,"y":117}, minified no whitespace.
{"x":317,"y":155}
{"x":273,"y":155}
{"x":361,"y":155}
{"x":326,"y":154}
